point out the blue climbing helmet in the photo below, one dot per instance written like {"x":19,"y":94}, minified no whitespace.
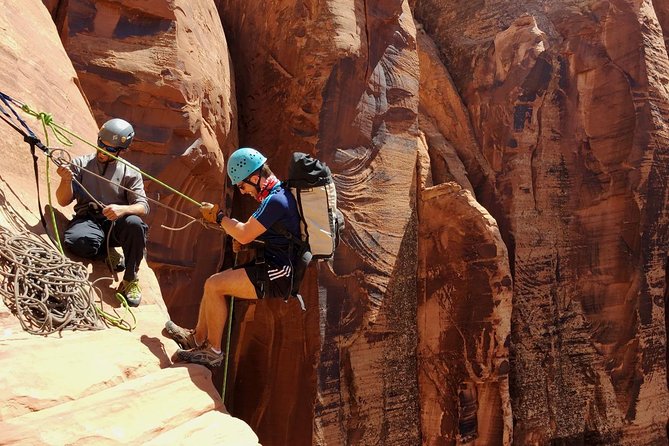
{"x":243,"y":162}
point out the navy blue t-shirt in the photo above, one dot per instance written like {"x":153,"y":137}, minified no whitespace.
{"x":278,"y":206}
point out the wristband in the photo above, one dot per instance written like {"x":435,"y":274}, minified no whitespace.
{"x":219,"y":217}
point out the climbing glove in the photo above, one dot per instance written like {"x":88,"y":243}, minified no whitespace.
{"x":209,"y":212}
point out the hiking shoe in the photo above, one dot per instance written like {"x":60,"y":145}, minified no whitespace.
{"x":131,"y":291}
{"x":182,"y":336}
{"x":115,"y":261}
{"x":202,"y":355}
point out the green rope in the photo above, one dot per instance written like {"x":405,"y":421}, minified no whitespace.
{"x":227,"y":343}
{"x":116,"y":320}
{"x":48,"y":187}
{"x":60,"y":132}
{"x":51,"y":211}
{"x":47,"y":121}
{"x":227,"y":349}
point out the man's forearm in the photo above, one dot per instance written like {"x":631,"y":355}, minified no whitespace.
{"x":138,"y":209}
{"x":232,"y":227}
{"x":242,"y":232}
{"x":64,"y":193}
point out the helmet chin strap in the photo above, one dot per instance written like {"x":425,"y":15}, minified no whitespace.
{"x":256,"y":184}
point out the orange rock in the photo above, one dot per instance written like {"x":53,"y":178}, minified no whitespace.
{"x":102,"y":386}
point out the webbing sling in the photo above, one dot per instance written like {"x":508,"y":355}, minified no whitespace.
{"x":30,"y":138}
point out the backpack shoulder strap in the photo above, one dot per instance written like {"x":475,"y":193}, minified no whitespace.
{"x":281,"y":229}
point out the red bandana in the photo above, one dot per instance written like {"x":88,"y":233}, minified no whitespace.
{"x":267,"y":187}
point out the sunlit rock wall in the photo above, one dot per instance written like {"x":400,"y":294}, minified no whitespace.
{"x":164,"y":67}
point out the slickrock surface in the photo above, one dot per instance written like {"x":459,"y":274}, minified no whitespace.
{"x":108,"y":387}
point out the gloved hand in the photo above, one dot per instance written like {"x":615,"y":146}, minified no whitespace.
{"x":209,"y":212}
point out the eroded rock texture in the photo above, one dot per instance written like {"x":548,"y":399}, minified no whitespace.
{"x":500,"y":146}
{"x":340,"y":80}
{"x":464,"y":276}
{"x":464,"y":303}
{"x":569,"y":104}
{"x":164,"y":67}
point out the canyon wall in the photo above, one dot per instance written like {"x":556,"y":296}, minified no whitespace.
{"x":501,"y":168}
{"x":569,"y":106}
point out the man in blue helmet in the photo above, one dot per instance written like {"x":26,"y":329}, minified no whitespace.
{"x":269,"y":276}
{"x":107,"y":215}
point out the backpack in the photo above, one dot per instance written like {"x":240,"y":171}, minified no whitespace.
{"x":311,"y":183}
{"x":321,"y":223}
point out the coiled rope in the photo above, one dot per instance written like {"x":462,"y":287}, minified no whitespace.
{"x":45,"y":290}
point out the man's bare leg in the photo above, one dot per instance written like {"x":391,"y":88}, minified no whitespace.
{"x":213,"y":313}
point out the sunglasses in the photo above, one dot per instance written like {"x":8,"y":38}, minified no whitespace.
{"x":108,"y":148}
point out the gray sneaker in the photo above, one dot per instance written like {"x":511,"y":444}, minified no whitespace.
{"x":203,"y":355}
{"x":183,"y":337}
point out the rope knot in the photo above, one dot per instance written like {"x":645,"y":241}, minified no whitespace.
{"x":46,"y":118}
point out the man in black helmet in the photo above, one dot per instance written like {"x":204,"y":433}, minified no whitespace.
{"x":107,"y":215}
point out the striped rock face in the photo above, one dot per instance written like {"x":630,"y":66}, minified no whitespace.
{"x":501,"y":167}
{"x":568,"y":105}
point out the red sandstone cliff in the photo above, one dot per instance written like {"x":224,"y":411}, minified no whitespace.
{"x":501,"y":169}
{"x":569,"y":106}
{"x":83,"y":387}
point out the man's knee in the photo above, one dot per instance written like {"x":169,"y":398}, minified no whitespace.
{"x":86,"y":247}
{"x":213,"y":285}
{"x":135,"y":225}
{"x":219,"y":284}
{"x":231,"y":282}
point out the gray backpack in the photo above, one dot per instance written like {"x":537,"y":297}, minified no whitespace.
{"x":311,"y":183}
{"x":321,"y":223}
